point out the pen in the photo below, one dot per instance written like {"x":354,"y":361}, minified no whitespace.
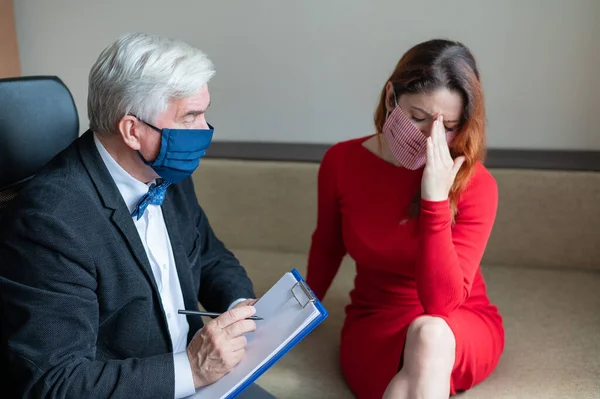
{"x":211,"y":314}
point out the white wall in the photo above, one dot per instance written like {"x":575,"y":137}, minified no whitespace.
{"x":311,"y":70}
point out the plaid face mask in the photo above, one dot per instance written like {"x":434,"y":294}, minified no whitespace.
{"x":407,"y":143}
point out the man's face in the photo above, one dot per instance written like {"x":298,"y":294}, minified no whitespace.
{"x":186,"y":113}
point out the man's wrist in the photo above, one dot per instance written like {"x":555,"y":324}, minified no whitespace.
{"x":185,"y":379}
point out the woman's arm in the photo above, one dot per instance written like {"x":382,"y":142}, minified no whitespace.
{"x":327,"y":249}
{"x":449,"y":255}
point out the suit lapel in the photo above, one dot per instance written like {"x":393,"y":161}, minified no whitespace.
{"x":186,"y":279}
{"x":111,"y":198}
{"x":181,"y":260}
{"x":122,"y":220}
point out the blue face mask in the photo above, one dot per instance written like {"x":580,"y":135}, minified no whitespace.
{"x":180,"y":152}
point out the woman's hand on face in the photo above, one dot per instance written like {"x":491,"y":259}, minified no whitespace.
{"x":440,"y":169}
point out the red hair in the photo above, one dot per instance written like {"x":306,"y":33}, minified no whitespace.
{"x":442,"y":64}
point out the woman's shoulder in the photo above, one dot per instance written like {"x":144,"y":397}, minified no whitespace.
{"x":481,"y":184}
{"x":340,"y":150}
{"x":482,"y":175}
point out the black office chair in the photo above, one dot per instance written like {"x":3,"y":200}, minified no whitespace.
{"x":38,"y":119}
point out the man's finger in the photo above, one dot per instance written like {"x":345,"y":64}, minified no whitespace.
{"x":237,"y":356}
{"x":235,"y":315}
{"x":240,"y":328}
{"x":247,"y":302}
{"x":238,"y":343}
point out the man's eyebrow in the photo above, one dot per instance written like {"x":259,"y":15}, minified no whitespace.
{"x":195,"y":112}
{"x":431,"y":116}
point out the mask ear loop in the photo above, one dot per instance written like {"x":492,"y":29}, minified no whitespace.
{"x":151,"y":126}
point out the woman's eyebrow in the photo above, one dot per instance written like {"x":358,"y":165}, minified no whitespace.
{"x":431,"y":116}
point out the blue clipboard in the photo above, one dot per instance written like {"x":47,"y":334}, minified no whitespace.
{"x":311,"y":298}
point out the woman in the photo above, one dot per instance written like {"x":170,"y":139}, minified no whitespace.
{"x":414,"y":207}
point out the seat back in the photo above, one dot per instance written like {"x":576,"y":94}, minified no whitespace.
{"x":38,"y":119}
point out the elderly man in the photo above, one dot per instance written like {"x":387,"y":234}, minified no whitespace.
{"x":108,"y":242}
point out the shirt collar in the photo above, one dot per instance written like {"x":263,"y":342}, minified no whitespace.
{"x":131,"y":189}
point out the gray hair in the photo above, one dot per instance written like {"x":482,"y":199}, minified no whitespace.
{"x":140,"y":74}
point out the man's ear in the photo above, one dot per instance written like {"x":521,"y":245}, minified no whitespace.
{"x":130,"y":129}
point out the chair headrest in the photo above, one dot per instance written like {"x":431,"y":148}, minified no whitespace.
{"x":38,"y":119}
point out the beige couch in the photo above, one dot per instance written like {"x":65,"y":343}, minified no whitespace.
{"x":542,"y":268}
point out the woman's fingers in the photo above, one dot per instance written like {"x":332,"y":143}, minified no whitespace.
{"x":430,"y":152}
{"x":437,"y":133}
{"x":442,"y":143}
{"x":458,"y":162}
{"x":441,"y":169}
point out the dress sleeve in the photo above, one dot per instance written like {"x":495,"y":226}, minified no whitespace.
{"x":327,"y":249}
{"x":450,"y":255}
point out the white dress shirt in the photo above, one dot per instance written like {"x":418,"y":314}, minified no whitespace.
{"x":155,"y":238}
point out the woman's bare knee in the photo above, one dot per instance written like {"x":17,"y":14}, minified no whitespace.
{"x":431,"y":331}
{"x":429,"y":339}
{"x":428,"y":359}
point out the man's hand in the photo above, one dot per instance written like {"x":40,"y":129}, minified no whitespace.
{"x":220,"y":345}
{"x":247,"y":302}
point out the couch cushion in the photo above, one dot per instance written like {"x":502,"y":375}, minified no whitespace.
{"x":545,"y":218}
{"x":551,"y":317}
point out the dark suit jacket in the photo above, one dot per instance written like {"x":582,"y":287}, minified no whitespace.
{"x":82,"y":316}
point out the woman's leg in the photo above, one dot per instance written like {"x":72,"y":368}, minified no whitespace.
{"x":429,"y":356}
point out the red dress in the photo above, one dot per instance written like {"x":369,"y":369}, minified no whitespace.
{"x":404,"y":269}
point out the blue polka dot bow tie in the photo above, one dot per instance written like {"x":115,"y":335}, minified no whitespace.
{"x":154,"y":196}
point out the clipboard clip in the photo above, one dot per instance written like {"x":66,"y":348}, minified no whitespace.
{"x":307,"y":293}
